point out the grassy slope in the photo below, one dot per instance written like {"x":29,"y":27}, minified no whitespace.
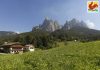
{"x":73,"y":56}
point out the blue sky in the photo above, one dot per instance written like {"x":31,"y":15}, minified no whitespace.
{"x":22,"y":15}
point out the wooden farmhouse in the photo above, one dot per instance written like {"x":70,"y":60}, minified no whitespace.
{"x":15,"y":48}
{"x":12,"y":48}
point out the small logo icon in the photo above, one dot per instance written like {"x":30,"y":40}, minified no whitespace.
{"x":93,"y":6}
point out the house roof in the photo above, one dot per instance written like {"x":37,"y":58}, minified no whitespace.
{"x":17,"y":46}
{"x":12,"y":44}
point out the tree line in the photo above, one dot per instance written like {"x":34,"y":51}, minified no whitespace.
{"x":45,"y":40}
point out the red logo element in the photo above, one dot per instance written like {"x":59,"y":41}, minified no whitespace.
{"x":92,"y":6}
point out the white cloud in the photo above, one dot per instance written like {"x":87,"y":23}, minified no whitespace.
{"x":90,"y":24}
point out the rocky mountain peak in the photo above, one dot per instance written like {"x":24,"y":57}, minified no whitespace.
{"x":52,"y":25}
{"x":74,"y":24}
{"x":49,"y":25}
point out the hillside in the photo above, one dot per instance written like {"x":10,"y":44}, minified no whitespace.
{"x":44,"y":35}
{"x":70,"y":56}
{"x":7,"y":33}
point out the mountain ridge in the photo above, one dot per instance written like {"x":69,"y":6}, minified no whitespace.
{"x":7,"y":33}
{"x":52,"y":25}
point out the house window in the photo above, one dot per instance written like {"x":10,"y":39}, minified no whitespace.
{"x":12,"y":51}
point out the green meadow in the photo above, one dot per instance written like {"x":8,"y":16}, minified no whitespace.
{"x":66,"y":56}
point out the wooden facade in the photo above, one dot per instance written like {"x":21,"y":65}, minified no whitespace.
{"x":13,"y":48}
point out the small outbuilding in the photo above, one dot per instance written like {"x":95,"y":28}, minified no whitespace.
{"x":29,"y":47}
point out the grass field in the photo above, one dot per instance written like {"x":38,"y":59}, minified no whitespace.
{"x":68,"y":56}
